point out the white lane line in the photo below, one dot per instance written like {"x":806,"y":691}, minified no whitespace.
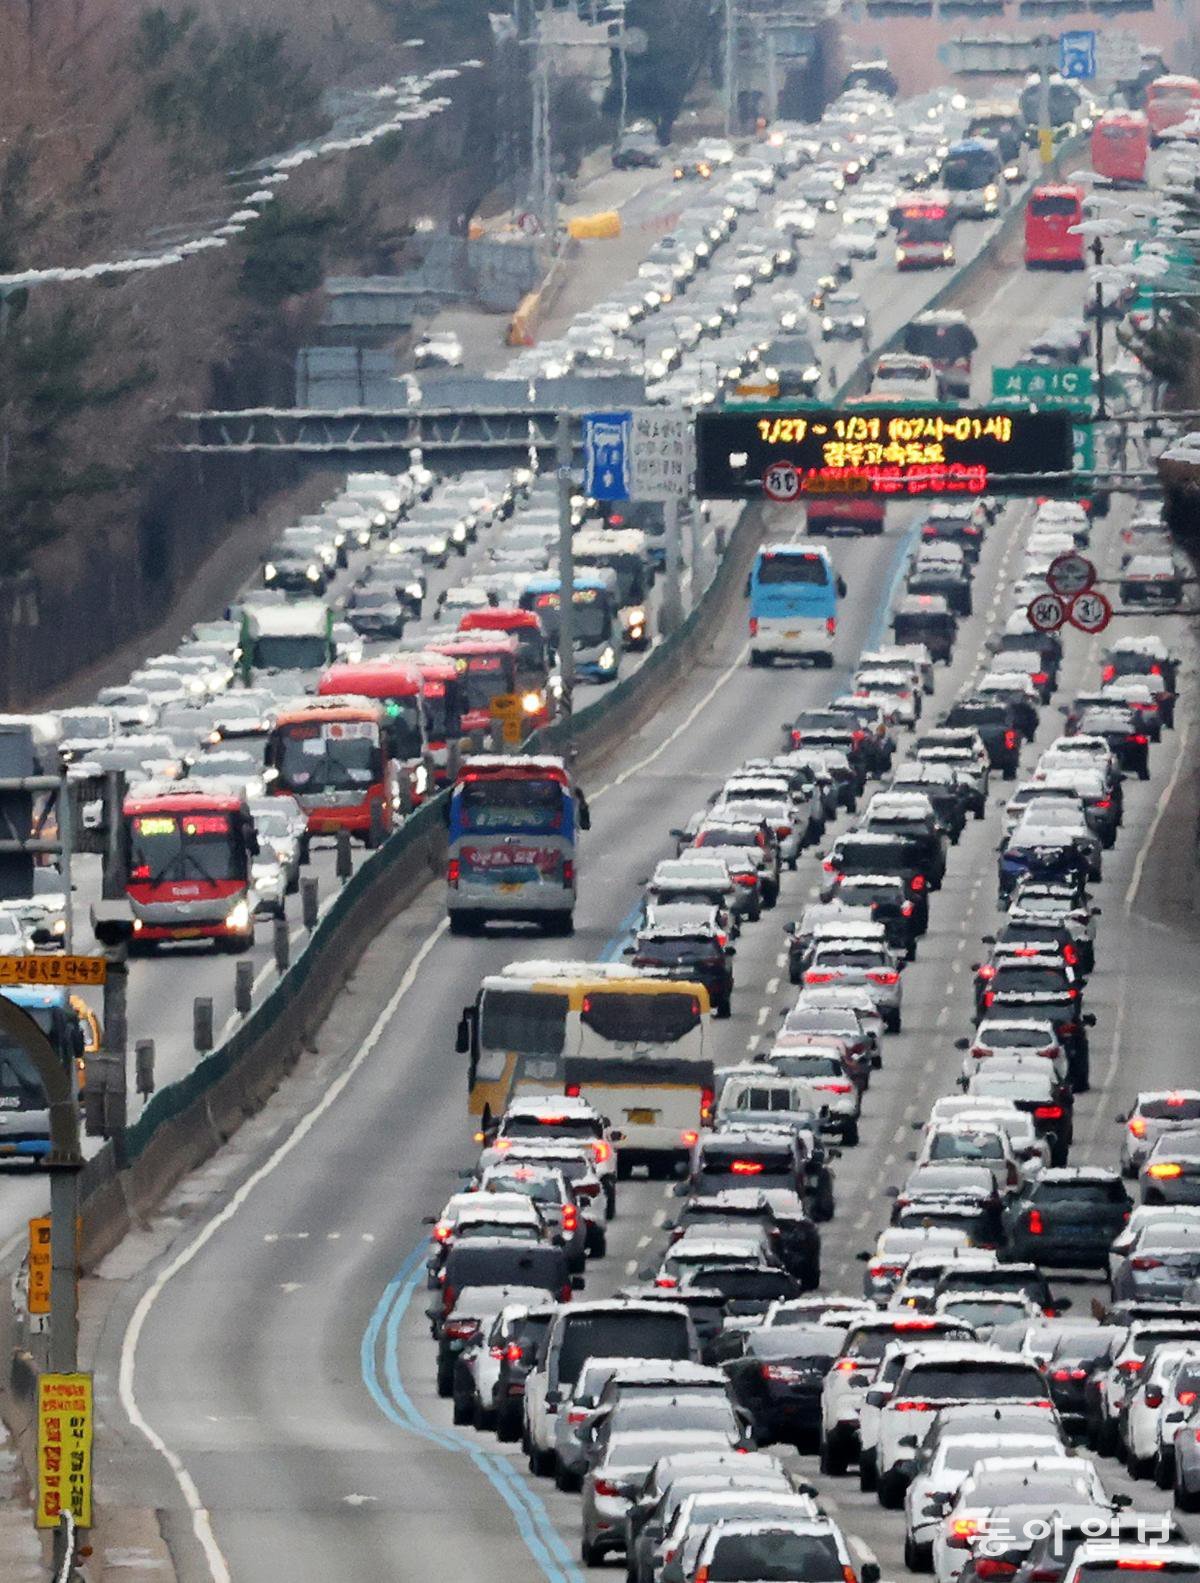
{"x":763,"y":1013}
{"x":752,"y":1043}
{"x":943,"y":1017}
{"x":660,"y":1217}
{"x":684,"y":724}
{"x":1160,"y":808}
{"x":781,"y":959}
{"x":644,"y":1242}
{"x":631,"y":1267}
{"x":202,"y":1527}
{"x":772,"y":986}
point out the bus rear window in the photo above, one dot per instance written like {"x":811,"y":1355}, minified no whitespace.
{"x":641,"y":1019}
{"x":774,"y":569}
{"x":535,"y":806}
{"x":1054,"y":207}
{"x":523,"y":1021}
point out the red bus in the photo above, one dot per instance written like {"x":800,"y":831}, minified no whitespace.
{"x":1049,"y":215}
{"x":845,"y":514}
{"x":487,"y":666}
{"x":400,"y":688}
{"x":1169,"y":100}
{"x":331,"y":755}
{"x":925,"y":233}
{"x":1121,"y":146}
{"x":188,"y":872}
{"x":533,"y":654}
{"x":442,"y":700}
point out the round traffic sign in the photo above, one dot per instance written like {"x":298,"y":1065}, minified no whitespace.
{"x":781,"y":483}
{"x":1070,"y":573}
{"x":1046,"y":613}
{"x":1090,"y":611}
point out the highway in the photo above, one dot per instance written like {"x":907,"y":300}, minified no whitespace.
{"x":275,"y":1343}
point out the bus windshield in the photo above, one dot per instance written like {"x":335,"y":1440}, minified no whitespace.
{"x":307,"y":653}
{"x":168,"y":847}
{"x":534,"y":806}
{"x":403,"y":727}
{"x":641,"y":1019}
{"x":484,"y":677}
{"x":331,"y":755}
{"x":927,"y":225}
{"x":20,"y":1086}
{"x":1053,"y":205}
{"x":593,"y":619}
{"x":965,"y":169}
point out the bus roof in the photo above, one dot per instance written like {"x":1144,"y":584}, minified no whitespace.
{"x":550,"y":584}
{"x":37,"y":996}
{"x":329,"y":709}
{"x":462,"y":645}
{"x":372,"y":679}
{"x":547,"y":971}
{"x":610,"y":541}
{"x":499,"y":618}
{"x":1174,"y":79}
{"x":523,"y":766}
{"x":183,"y":798}
{"x":1056,"y":189}
{"x":1122,"y":117}
{"x":302,"y":619}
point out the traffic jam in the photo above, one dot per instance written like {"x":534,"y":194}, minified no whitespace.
{"x":1027,"y":1319}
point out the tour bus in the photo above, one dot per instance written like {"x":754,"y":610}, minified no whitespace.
{"x":24,"y":1108}
{"x":533,"y":655}
{"x":399,"y":687}
{"x":1170,"y":100}
{"x":1121,"y":147}
{"x":632,"y":1044}
{"x":865,"y":514}
{"x":623,"y":551}
{"x":948,"y":341}
{"x":291,"y":637}
{"x":1002,"y":122}
{"x":331,"y":755}
{"x":973,"y":174}
{"x":443,"y":694}
{"x":1053,"y":212}
{"x":188,"y":873}
{"x":925,"y":232}
{"x":794,"y":592}
{"x":597,"y":625}
{"x":513,"y":827}
{"x":487,"y":669}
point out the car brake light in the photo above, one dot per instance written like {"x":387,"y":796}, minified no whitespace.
{"x":986,"y":971}
{"x":817,"y":976}
{"x":827,"y":865}
{"x":834,"y":1088}
{"x":607,"y":1487}
{"x":443,"y":1231}
{"x":1186,"y":1397}
{"x":882,"y":975}
{"x":848,"y":1365}
{"x":1145,"y":1262}
{"x":961,"y":1529}
{"x":460,"y":1329}
{"x":577,"y":1415}
{"x":753,"y":634}
{"x":989,"y":997}
{"x":570,"y":1217}
{"x":707,"y":1097}
{"x":1108,"y":673}
{"x":1070,"y":955}
{"x":1138,"y":738}
{"x":514,"y":1352}
{"x":918,"y":883}
{"x":1131,"y":1366}
{"x":831,"y":625}
{"x":990,"y":1567}
{"x":564,"y":1295}
{"x":701,"y":1576}
{"x":1039,"y":678}
{"x":1137,"y":1126}
{"x":913,"y":1407}
{"x":746,"y":1167}
{"x":453,"y":871}
{"x":1153,"y":1396}
{"x":745,"y":879}
{"x":907,"y":909}
{"x":1047,"y":1112}
{"x":1062,"y":1375}
{"x":1034,"y":1224}
{"x":568,"y":871}
{"x":1164,"y":1170}
{"x":601,"y":1152}
{"x":688,"y":1138}
{"x":1010,"y":739}
{"x":1175,"y":1100}
{"x":1129,"y":1564}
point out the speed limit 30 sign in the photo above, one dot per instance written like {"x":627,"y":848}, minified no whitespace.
{"x":781,"y":483}
{"x":1090,"y":611}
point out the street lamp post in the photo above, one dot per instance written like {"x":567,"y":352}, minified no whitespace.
{"x":1101,"y":398}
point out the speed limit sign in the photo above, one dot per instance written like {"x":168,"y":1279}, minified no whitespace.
{"x":1090,"y":611}
{"x":1046,"y":613}
{"x":781,"y":483}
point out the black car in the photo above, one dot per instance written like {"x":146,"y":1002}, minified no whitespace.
{"x":926,"y":618}
{"x":1076,"y":1356}
{"x":375,"y":613}
{"x":691,"y":955}
{"x":821,"y":728}
{"x":864,"y":852}
{"x":1047,"y":644}
{"x":923,"y":835}
{"x":792,"y":1238}
{"x":1014,"y":1277}
{"x":722,"y":1160}
{"x":294,"y":570}
{"x":998,"y":729}
{"x":778,"y":1380}
{"x":884,"y":898}
{"x":954,"y":523}
{"x":950,"y":579}
{"x":945,"y":791}
{"x":1121,"y":729}
{"x":1067,"y":1217}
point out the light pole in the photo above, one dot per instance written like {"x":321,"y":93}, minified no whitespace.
{"x":1101,"y":399}
{"x":730,"y":66}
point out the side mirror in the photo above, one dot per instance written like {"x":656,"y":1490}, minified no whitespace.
{"x":1062,"y":1304}
{"x":429,"y":1220}
{"x":842,"y":591}
{"x":989,"y":939}
{"x":912,"y":1154}
{"x":1096,"y":911}
{"x":617,"y":1135}
{"x":462,"y":1036}
{"x":891,"y":1192}
{"x":869,"y":1572}
{"x":862,"y":1256}
{"x":731,"y":950}
{"x":1121,"y":1116}
{"x":1089,"y":1020}
{"x":577,"y":1283}
{"x":1120,"y":1500}
{"x":962,"y":1044}
{"x":629,"y":950}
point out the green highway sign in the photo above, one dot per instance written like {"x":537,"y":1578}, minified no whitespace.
{"x":1048,"y":384}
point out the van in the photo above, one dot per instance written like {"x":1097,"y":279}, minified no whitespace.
{"x":794,"y":592}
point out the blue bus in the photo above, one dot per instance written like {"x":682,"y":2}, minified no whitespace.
{"x":513,"y":828}
{"x":597,"y":613}
{"x":24,"y":1113}
{"x":794,"y":592}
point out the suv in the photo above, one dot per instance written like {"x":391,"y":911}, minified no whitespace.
{"x":1067,"y":1217}
{"x":962,"y":749}
{"x":553,"y":1118}
{"x":694,"y":956}
{"x":997,"y":726}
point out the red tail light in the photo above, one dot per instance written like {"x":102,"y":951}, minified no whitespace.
{"x":990,"y":1567}
{"x":882,"y":975}
{"x":827,"y":865}
{"x":577,"y":1415}
{"x":570,"y":1218}
{"x":914,"y":1407}
{"x":834,"y":1088}
{"x":443,"y":1231}
{"x":573,"y":1090}
{"x":1137,"y":1126}
{"x":907,"y":909}
{"x":1102,"y":802}
{"x":564,"y":1295}
{"x":1070,"y":955}
{"x":989,"y":997}
{"x":607,"y":1487}
{"x":746,"y":1167}
{"x":1138,"y":739}
{"x":1186,"y":1397}
{"x":1128,"y":1564}
{"x":987,"y":971}
{"x":831,"y":625}
{"x":702,"y":1575}
{"x":918,"y":883}
{"x":753,"y":634}
{"x":1040,"y":678}
{"x":453,"y":871}
{"x":707,"y":1099}
{"x":745,"y":879}
{"x":1153,"y":1396}
{"x":1145,"y":1262}
{"x":667,"y":1282}
{"x":848,"y":1365}
{"x":816,"y":976}
{"x":1033,"y":1223}
{"x":460,"y":1329}
{"x":601,"y":1152}
{"x":513,"y":1352}
{"x":1047,"y":1112}
{"x":568,"y":878}
{"x":688,"y":1138}
{"x":1107,"y":674}
{"x":1010,"y":739}
{"x":1131,"y":1366}
{"x":1062,"y":1375}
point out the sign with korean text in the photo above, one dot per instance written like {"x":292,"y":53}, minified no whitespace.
{"x":64,"y":1448}
{"x":1043,"y":382}
{"x":662,"y":456}
{"x":898,"y":450}
{"x":508,"y":709}
{"x":61,"y":970}
{"x":39,"y":1265}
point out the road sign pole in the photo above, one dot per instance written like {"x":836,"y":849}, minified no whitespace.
{"x":671,"y":611}
{"x":1045,"y":127}
{"x":564,"y":456}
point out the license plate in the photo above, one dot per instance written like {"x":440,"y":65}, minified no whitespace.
{"x":8,"y":1148}
{"x":508,"y":888}
{"x":792,"y":634}
{"x":641,"y":1118}
{"x":188,"y":934}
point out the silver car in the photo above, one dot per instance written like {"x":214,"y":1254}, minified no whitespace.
{"x":1156,"y":1113}
{"x":865,"y":966}
{"x":1170,"y":1174}
{"x":611,"y":1484}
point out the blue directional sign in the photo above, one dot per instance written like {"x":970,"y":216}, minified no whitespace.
{"x":1077,"y":54}
{"x":607,"y":454}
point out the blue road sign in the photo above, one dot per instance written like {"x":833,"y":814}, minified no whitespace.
{"x":606,"y":448}
{"x":1077,"y":54}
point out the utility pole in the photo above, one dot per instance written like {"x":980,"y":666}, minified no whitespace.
{"x":564,"y":453}
{"x":671,"y":613}
{"x":1101,"y":398}
{"x":1045,"y":126}
{"x":730,"y":67}
{"x":623,"y":64}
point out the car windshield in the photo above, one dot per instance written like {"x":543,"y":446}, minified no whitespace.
{"x":966,"y":1146}
{"x":1078,"y":1194}
{"x":777,"y":1555}
{"x":632,"y":1333}
{"x":949,"y":1381}
{"x":1176,"y":1107}
{"x":563,"y":1126}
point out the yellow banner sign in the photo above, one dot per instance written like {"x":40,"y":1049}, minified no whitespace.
{"x":68,"y":971}
{"x":39,"y":1265}
{"x":64,"y":1448}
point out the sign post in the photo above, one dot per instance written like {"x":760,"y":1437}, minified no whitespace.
{"x":1077,"y":54}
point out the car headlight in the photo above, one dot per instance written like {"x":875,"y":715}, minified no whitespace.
{"x":59,"y":926}
{"x":363,"y":538}
{"x":420,"y":780}
{"x":531,"y":703}
{"x":435,"y":546}
{"x":1011,"y":172}
{"x":810,"y":376}
{"x":827,"y":324}
{"x":990,"y":193}
{"x":899,"y":255}
{"x":859,"y":323}
{"x":608,"y":657}
{"x":948,"y":253}
{"x":270,"y":571}
{"x":789,"y":321}
{"x":196,"y":687}
{"x":459,"y":533}
{"x":313,"y":573}
{"x":237,"y":919}
{"x":414,"y":590}
{"x":771,"y":375}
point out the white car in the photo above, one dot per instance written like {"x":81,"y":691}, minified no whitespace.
{"x":1003,"y":1481}
{"x":438,"y":349}
{"x":561,"y":1118}
{"x":1156,"y":1113}
{"x":1141,"y":1216}
{"x":899,"y":376}
{"x":1154,"y":1406}
{"x":943,"y":1467}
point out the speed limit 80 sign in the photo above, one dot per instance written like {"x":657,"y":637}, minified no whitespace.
{"x":781,"y":483}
